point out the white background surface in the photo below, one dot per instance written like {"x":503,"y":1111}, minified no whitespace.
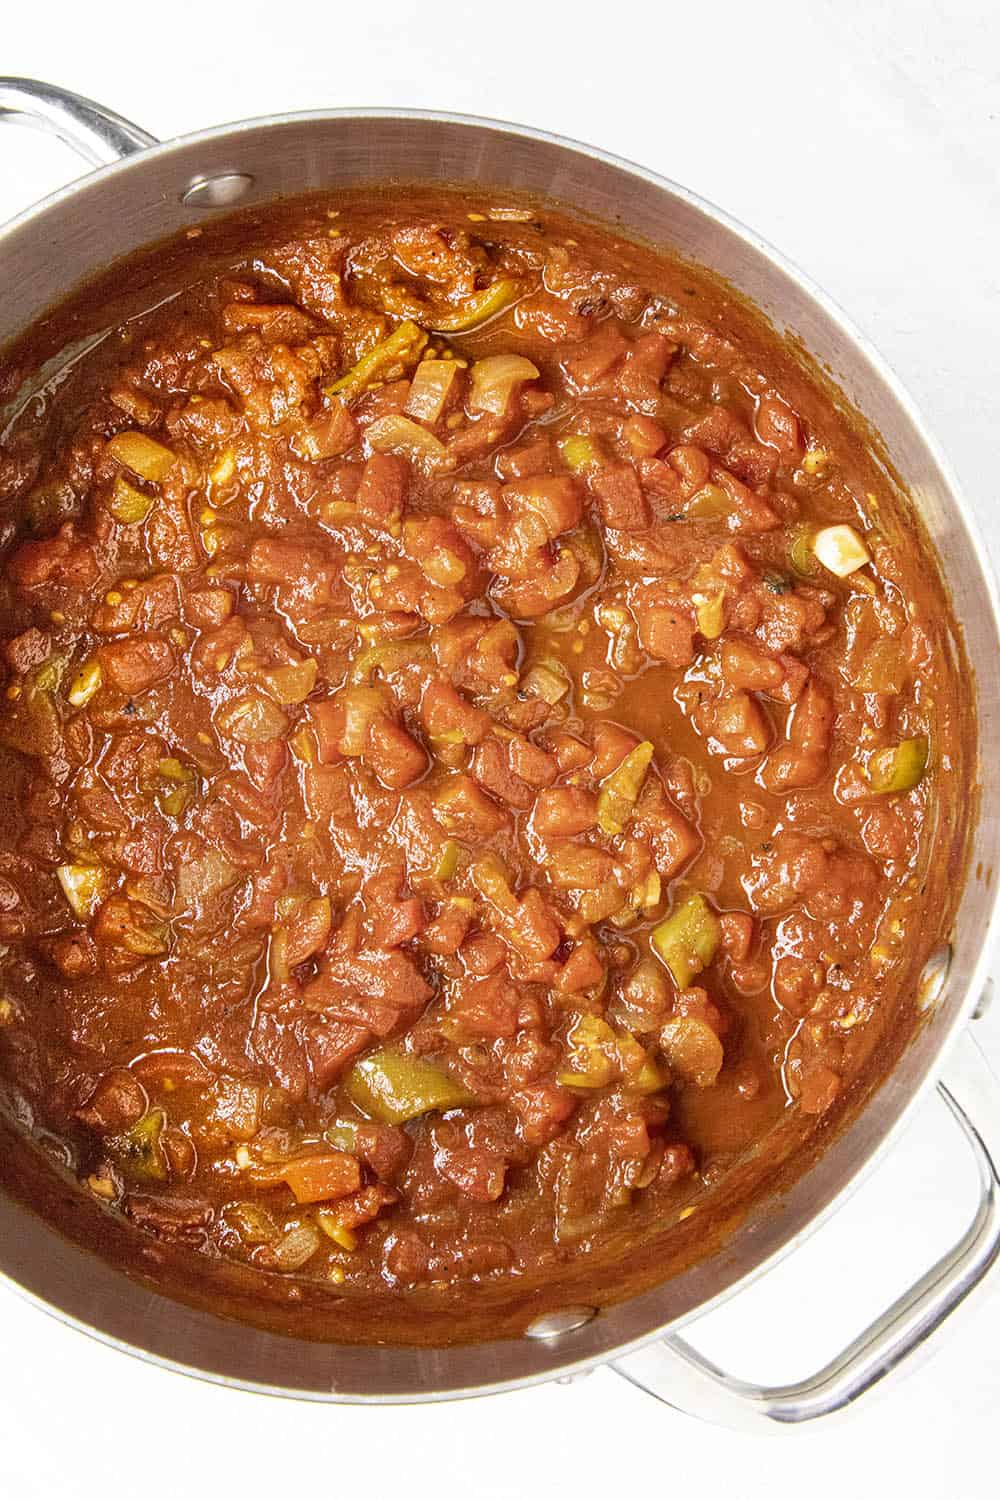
{"x":863,"y":138}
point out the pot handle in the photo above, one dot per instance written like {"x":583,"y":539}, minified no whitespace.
{"x":678,"y":1375}
{"x":95,"y":133}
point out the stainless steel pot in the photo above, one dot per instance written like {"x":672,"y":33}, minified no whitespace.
{"x":146,"y":191}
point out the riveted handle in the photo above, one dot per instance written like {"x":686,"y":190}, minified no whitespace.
{"x":97,"y":134}
{"x":673,"y":1371}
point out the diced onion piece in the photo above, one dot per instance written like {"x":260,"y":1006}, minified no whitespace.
{"x":298,"y":1245}
{"x":252,"y":720}
{"x":388,"y":360}
{"x":253,"y":1224}
{"x":398,"y":434}
{"x":294,"y":683}
{"x":546,"y":681}
{"x":477,"y":308}
{"x":429,"y":389}
{"x":841,"y":550}
{"x":394,"y":1087}
{"x":127,"y":504}
{"x":883,"y":668}
{"x":647,"y":893}
{"x":278,"y":966}
{"x":134,"y":926}
{"x":580,"y":452}
{"x":494,"y":378}
{"x":645,"y":995}
{"x":387,"y":657}
{"x":84,"y":887}
{"x":686,"y":940}
{"x":289,"y":903}
{"x":489,"y":876}
{"x":443,"y":567}
{"x":145,"y":457}
{"x":814,"y":459}
{"x":303,"y":746}
{"x":361,"y":707}
{"x":693,"y":1050}
{"x":304,"y":930}
{"x":710,"y":614}
{"x":900,"y":767}
{"x":202,"y":877}
{"x":86,"y":683}
{"x":710,"y":503}
{"x":438,"y":562}
{"x":586,"y":546}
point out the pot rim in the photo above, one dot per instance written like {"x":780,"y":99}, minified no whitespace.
{"x":576,"y":1362}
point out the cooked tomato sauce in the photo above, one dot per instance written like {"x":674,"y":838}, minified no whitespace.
{"x":482,"y":746}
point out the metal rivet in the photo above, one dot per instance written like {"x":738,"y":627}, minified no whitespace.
{"x":217,"y":191}
{"x":552,"y":1325}
{"x":932,"y":980}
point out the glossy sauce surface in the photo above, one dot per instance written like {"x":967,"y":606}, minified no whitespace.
{"x":480,"y":749}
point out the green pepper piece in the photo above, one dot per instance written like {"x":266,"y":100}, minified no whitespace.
{"x":686,"y":940}
{"x":181,"y":783}
{"x":592,"y":1054}
{"x":579,"y":451}
{"x":342,"y":1135}
{"x":29,"y":721}
{"x":394,"y":1087}
{"x":388,"y":656}
{"x":883,"y":669}
{"x":477,"y":308}
{"x":640,"y":1072}
{"x":48,"y":677}
{"x":142,"y":454}
{"x":138,"y":1152}
{"x":402,"y":348}
{"x":128,"y":504}
{"x":801,"y":555}
{"x":174,"y":801}
{"x":620,"y":792}
{"x":898,"y":768}
{"x":447,"y":861}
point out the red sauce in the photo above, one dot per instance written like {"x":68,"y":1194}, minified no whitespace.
{"x":454,"y":811}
